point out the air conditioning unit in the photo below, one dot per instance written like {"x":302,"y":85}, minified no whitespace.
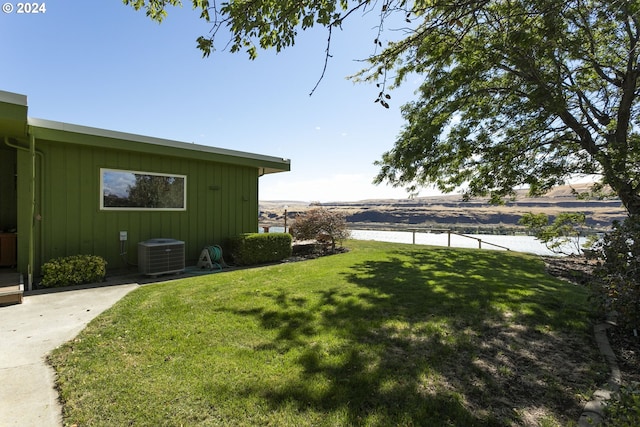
{"x":160,"y":256}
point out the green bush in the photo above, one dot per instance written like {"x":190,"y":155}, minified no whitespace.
{"x":256,"y":248}
{"x":617,"y":277}
{"x":73,"y":270}
{"x":562,"y":236}
{"x":624,"y":411}
{"x":322,"y":225}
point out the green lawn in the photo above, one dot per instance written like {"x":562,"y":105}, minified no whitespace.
{"x":384,"y":335}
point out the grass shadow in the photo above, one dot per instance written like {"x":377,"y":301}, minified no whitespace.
{"x":438,"y":337}
{"x":383,"y":335}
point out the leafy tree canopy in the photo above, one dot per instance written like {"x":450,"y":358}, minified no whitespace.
{"x":320,"y":223}
{"x":515,"y":92}
{"x":562,"y":235}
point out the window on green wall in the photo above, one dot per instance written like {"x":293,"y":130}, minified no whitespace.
{"x":134,"y":190}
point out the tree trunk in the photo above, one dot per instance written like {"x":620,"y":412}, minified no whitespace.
{"x":630,"y":198}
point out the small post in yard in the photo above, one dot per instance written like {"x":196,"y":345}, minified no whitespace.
{"x":285,"y":217}
{"x":449,"y":238}
{"x":414,"y":236}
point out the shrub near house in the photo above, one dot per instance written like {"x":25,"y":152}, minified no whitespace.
{"x":255,"y":248}
{"x":73,"y":270}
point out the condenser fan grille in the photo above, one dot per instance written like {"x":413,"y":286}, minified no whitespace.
{"x":160,"y":256}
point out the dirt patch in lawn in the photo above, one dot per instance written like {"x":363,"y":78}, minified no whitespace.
{"x":536,"y":377}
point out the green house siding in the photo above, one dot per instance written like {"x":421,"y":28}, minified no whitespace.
{"x":23,"y":208}
{"x":50,"y":184}
{"x":221,"y":202}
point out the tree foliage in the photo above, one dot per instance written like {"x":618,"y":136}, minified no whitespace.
{"x":320,"y":224}
{"x":254,"y":25}
{"x":515,"y":93}
{"x":522,"y":93}
{"x":562,"y":235}
{"x":617,"y":284}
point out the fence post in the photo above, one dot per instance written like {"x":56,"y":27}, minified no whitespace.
{"x":414,"y":236}
{"x":449,"y":238}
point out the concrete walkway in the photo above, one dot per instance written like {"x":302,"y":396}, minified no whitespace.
{"x":29,"y":331}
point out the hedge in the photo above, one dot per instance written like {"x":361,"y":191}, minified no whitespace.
{"x":257,"y":248}
{"x":73,"y":270}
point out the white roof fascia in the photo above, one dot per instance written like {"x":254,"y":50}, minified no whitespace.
{"x":13,"y":98}
{"x":67,"y":127}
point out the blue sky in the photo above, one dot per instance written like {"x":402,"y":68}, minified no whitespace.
{"x":102,"y":64}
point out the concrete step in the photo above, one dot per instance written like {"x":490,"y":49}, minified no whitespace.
{"x":11,"y":294}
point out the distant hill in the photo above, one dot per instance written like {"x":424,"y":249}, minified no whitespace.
{"x":561,"y":192}
{"x":451,"y":211}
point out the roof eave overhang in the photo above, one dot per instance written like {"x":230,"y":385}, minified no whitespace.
{"x":13,"y":115}
{"x":83,"y":135}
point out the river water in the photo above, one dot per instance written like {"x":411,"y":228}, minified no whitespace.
{"x":527,"y":244}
